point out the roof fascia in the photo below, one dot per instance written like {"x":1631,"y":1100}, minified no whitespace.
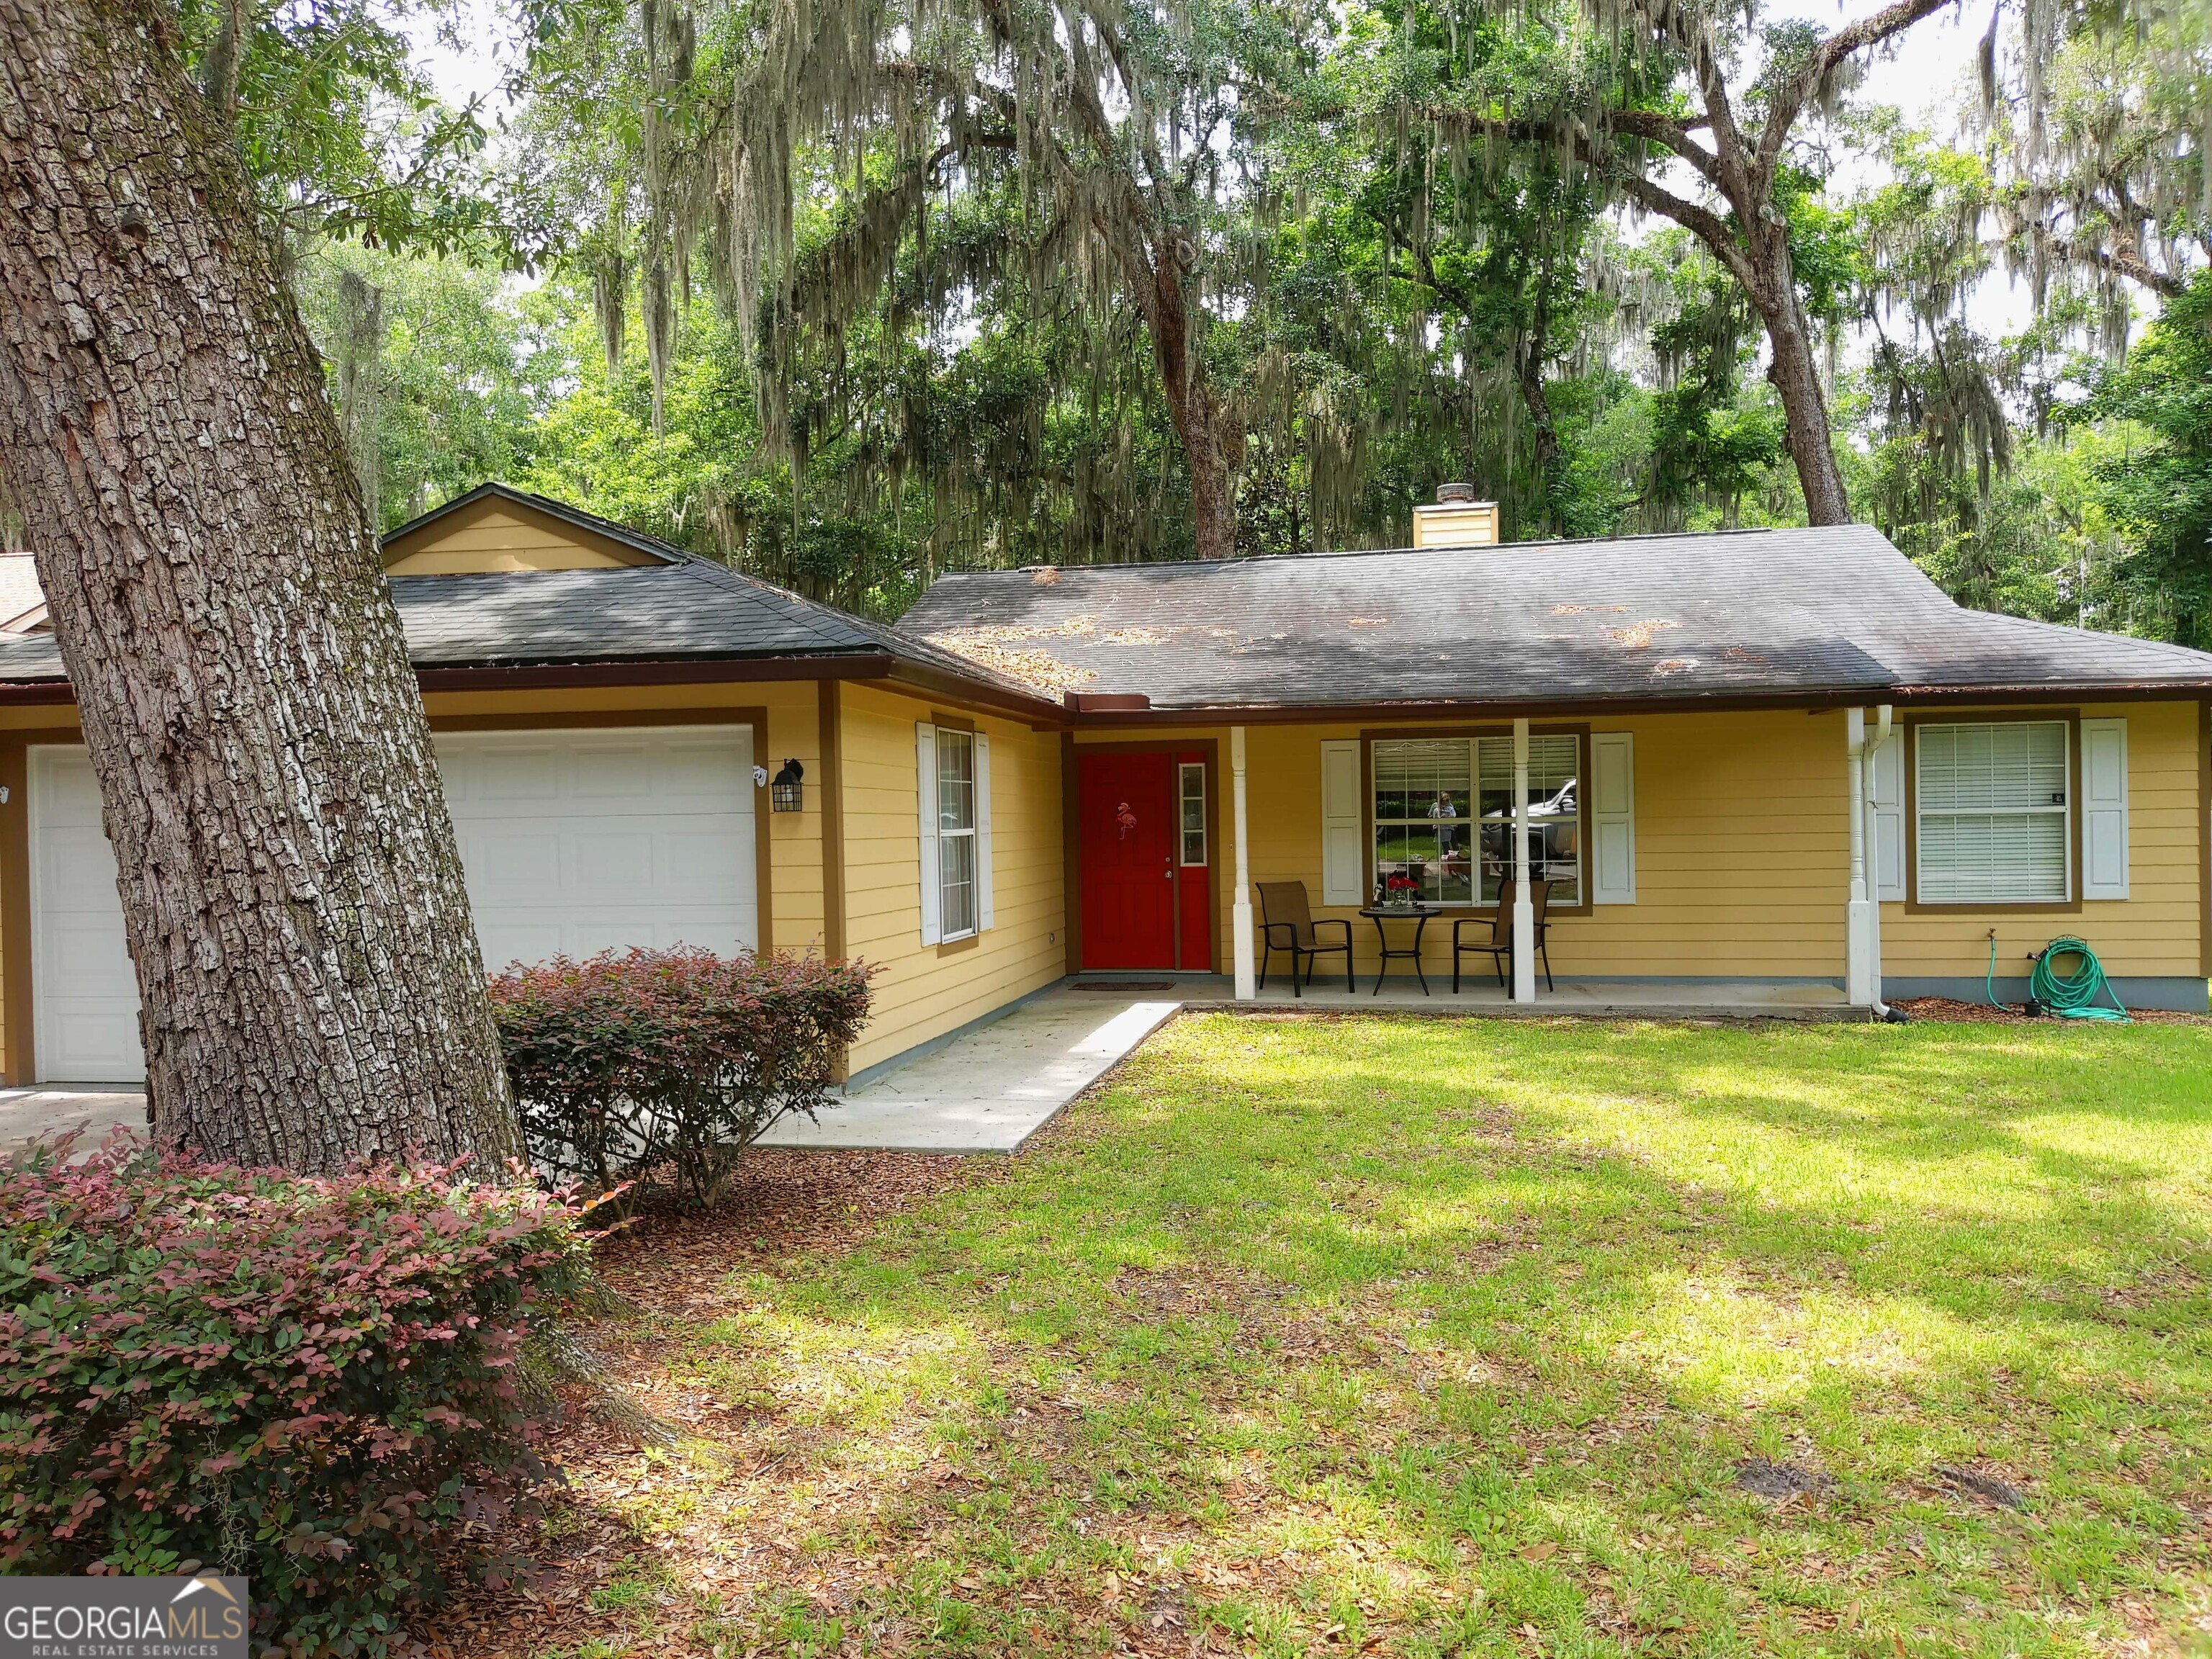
{"x":1812,"y":699}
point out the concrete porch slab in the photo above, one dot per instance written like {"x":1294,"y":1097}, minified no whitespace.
{"x":1646,"y":999}
{"x":992,"y":1088}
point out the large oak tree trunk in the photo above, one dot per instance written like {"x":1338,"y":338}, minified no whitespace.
{"x":1796,"y":373}
{"x":311,"y":982}
{"x":1198,"y":418}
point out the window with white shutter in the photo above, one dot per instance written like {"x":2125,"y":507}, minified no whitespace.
{"x":1612,"y":818}
{"x":952,"y":771}
{"x":1993,"y":807}
{"x":1443,"y":814}
{"x":2105,"y":809}
{"x":1343,"y":861}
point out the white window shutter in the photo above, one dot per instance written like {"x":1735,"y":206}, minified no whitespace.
{"x":1889,"y":819}
{"x":983,"y":831}
{"x":1342,"y":867}
{"x":925,"y":773}
{"x":2105,"y":809}
{"x":1612,"y":818}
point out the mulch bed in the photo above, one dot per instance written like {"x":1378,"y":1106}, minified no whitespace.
{"x":1946,"y":1010}
{"x":785,"y":1207}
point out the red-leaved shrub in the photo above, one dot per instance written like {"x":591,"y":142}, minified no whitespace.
{"x":310,"y":1382}
{"x":651,"y":1065}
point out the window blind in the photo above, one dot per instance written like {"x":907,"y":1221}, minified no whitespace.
{"x":1993,"y":811}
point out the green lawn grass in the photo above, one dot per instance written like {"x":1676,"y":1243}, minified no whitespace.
{"x":1430,"y":1337}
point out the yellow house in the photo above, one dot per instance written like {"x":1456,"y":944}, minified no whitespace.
{"x":1772,"y":757}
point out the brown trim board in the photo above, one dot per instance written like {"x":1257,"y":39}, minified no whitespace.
{"x":1579,"y":730}
{"x":1071,"y":856}
{"x":18,"y":1007}
{"x":830,"y":705}
{"x":2204,"y":838}
{"x":645,"y":719}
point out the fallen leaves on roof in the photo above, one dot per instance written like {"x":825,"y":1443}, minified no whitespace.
{"x":1003,"y":649}
{"x":1046,"y":576}
{"x":1674,"y":665}
{"x":1637,"y":634}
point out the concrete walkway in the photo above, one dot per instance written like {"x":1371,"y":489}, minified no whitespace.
{"x":990,"y":1091}
{"x":55,"y":1108}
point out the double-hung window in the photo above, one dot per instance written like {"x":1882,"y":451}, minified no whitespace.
{"x":1442,"y":815}
{"x":953,"y":770}
{"x":1991,"y":804}
{"x":956,"y":832}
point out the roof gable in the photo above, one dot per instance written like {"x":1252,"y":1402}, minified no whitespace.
{"x":496,"y":530}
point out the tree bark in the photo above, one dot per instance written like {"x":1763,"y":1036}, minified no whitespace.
{"x":1796,"y":373}
{"x":292,"y":894}
{"x":1191,"y":407}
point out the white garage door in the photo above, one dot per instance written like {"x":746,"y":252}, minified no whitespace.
{"x":85,"y":1013}
{"x":582,"y":841}
{"x":575,"y":842}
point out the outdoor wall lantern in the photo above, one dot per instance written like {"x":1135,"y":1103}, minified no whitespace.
{"x":788,"y":795}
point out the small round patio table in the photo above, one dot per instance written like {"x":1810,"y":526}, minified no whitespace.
{"x":1419,"y":914}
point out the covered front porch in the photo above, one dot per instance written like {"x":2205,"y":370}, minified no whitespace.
{"x":1713,"y":863}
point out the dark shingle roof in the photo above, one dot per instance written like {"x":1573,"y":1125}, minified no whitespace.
{"x":685,"y":607}
{"x":1734,"y":615}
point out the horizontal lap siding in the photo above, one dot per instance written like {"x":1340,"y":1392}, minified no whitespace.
{"x":2156,"y":931}
{"x":919,"y":993}
{"x":1742,"y":854}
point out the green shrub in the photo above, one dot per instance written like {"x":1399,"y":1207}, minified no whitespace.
{"x":310,"y":1382}
{"x":664,"y":1066}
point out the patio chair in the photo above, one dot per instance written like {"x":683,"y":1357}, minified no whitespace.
{"x":1286,"y":923}
{"x":1492,"y":935}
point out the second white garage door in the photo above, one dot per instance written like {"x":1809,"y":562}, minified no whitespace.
{"x":575,"y":842}
{"x":582,"y":841}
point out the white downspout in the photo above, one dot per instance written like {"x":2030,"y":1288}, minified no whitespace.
{"x":1858,"y":982}
{"x":1241,"y":910}
{"x":1524,"y":908}
{"x":1883,"y":716}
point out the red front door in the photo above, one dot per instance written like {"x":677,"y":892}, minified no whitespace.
{"x":1125,"y":812}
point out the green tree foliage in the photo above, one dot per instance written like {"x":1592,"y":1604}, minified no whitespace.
{"x":2159,"y":491}
{"x":439,"y":371}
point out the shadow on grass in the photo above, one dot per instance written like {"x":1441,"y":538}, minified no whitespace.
{"x":1430,"y":1337}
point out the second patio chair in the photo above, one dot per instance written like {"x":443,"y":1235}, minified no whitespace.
{"x":1286,"y":923}
{"x":1492,"y":935}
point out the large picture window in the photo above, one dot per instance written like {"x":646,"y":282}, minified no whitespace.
{"x":1993,"y":822}
{"x":1442,"y":813}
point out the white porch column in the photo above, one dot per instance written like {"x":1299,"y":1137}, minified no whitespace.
{"x":1524,"y":908}
{"x":1858,"y":917}
{"x":1875,"y":739}
{"x":1240,"y":913}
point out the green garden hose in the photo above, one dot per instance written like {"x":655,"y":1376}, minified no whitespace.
{"x":2070,"y":994}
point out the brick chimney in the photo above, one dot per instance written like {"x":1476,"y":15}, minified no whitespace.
{"x":1456,"y":519}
